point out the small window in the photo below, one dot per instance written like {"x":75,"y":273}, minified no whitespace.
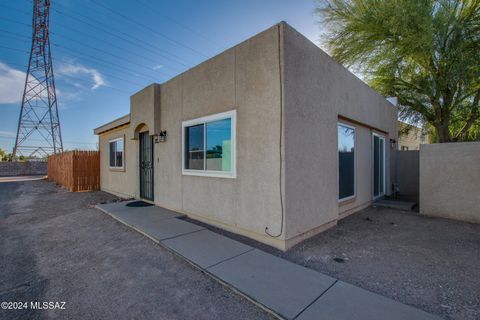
{"x":209,"y":145}
{"x":346,"y":161}
{"x":116,"y":153}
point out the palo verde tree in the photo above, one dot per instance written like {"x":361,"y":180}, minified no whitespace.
{"x":424,"y":52}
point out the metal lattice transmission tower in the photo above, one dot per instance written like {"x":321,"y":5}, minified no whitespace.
{"x":38,"y":132}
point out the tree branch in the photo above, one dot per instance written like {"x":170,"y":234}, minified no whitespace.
{"x":473,"y":116}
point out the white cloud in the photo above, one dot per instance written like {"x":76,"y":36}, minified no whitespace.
{"x":7,"y":134}
{"x":78,"y":69}
{"x":158,"y":66}
{"x":12,"y":82}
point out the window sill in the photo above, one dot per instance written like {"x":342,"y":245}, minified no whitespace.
{"x":346,"y":201}
{"x":116,"y":169}
{"x":210,"y":174}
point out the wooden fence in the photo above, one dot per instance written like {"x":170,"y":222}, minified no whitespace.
{"x":75,"y":170}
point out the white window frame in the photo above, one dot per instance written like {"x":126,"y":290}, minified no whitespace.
{"x":232,"y":114}
{"x":123,"y":153}
{"x":375,"y":134}
{"x":354,"y":164}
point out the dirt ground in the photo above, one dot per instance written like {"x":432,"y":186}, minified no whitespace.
{"x":55,"y":247}
{"x":429,"y":263}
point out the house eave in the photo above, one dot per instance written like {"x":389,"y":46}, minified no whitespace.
{"x":112,"y":124}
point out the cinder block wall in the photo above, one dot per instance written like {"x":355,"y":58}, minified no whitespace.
{"x":450,"y":180}
{"x":10,"y":169}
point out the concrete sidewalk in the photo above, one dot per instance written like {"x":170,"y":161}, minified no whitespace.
{"x":286,"y":289}
{"x":21,"y":178}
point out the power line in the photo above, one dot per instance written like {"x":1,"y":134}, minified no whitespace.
{"x":101,"y":61}
{"x":8,"y":7}
{"x":70,"y":64}
{"x":15,"y":21}
{"x":92,"y":58}
{"x":71,"y":142}
{"x":145,"y":45}
{"x":149,"y":8}
{"x":55,"y":34}
{"x":107,"y":74}
{"x":15,"y":38}
{"x":115,"y":46}
{"x":69,"y":76}
{"x":179,"y":24}
{"x":111,"y":54}
{"x":176,"y":59}
{"x":148,"y":28}
{"x":123,"y":68}
{"x":66,"y":62}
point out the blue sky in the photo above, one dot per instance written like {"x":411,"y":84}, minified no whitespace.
{"x":106,"y":50}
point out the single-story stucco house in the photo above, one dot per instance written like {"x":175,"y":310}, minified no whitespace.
{"x":271,"y":139}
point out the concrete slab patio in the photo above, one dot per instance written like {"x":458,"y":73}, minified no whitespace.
{"x":395,"y":204}
{"x":345,"y":301}
{"x":286,"y":289}
{"x":280,"y":285}
{"x":155,"y":222}
{"x":206,"y":248}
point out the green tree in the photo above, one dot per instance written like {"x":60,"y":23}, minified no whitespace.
{"x":4,"y":156}
{"x":424,"y":52}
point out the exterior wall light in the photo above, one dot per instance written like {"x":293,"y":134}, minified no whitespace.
{"x":161,"y":136}
{"x":392,"y":143}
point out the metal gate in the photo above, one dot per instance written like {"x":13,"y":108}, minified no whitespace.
{"x":146,"y":166}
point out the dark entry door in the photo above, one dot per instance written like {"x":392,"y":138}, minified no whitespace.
{"x":146,"y":166}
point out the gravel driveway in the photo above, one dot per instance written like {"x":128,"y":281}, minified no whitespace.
{"x":55,"y":247}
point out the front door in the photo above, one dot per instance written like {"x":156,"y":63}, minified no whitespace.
{"x":378,"y":165}
{"x":146,"y":166}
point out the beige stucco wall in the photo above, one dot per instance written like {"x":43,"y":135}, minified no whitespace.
{"x":120,"y":182}
{"x":144,"y":110}
{"x":449,"y":180}
{"x":317,"y":90}
{"x":246,"y":79}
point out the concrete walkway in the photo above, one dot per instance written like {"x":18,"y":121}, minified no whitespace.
{"x":21,"y":178}
{"x":286,"y":289}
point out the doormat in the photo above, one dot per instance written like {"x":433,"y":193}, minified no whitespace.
{"x":137,"y":204}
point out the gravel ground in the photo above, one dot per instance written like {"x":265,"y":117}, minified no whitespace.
{"x":55,"y":247}
{"x":429,"y":263}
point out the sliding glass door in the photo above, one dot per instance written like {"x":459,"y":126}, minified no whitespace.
{"x":378,"y":165}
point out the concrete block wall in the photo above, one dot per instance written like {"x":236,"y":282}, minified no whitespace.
{"x":450,"y":180}
{"x":29,"y":168}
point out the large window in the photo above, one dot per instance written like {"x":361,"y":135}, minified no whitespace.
{"x":209,"y":145}
{"x":346,"y":161}
{"x":116,"y":153}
